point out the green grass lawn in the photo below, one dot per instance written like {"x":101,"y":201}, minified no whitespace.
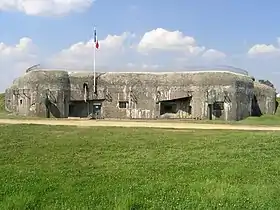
{"x":55,"y":167}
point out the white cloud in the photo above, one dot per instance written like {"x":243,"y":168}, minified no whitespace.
{"x":45,"y":7}
{"x":163,"y":40}
{"x":213,"y":54}
{"x":150,"y":67}
{"x":263,"y":49}
{"x":123,"y":51}
{"x":24,"y":50}
{"x":15,"y":59}
{"x":117,"y":42}
{"x":80,"y":55}
{"x":118,"y":52}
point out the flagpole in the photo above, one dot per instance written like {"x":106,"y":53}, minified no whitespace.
{"x":94,"y":62}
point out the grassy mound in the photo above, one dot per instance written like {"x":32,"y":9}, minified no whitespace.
{"x":2,"y":102}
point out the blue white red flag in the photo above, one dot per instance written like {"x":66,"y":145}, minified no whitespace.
{"x":96,"y":40}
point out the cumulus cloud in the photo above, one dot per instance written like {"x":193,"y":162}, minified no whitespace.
{"x":263,"y":49}
{"x":15,"y":59}
{"x":183,"y":47}
{"x":163,"y":40}
{"x":113,"y":50}
{"x":126,"y":49}
{"x":45,"y":7}
{"x":213,"y":54}
{"x":25,"y":49}
{"x":117,"y":52}
{"x":166,"y":50}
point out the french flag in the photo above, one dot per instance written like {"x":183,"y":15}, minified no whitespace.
{"x":96,"y":40}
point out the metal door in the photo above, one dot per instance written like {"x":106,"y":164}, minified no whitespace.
{"x":210,"y":111}
{"x":97,"y":111}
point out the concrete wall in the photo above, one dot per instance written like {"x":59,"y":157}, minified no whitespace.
{"x":266,"y":98}
{"x":28,"y":93}
{"x":244,"y":96}
{"x":149,"y":88}
{"x":143,"y":94}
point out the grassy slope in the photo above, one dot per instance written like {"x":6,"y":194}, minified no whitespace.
{"x":2,"y":102}
{"x":44,"y":167}
{"x":265,"y":119}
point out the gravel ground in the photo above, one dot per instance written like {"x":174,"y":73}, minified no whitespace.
{"x":146,"y":124}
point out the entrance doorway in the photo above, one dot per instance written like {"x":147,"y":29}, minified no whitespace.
{"x":210,"y":111}
{"x":78,"y":109}
{"x":177,"y":108}
{"x":84,"y":109}
{"x":96,"y":111}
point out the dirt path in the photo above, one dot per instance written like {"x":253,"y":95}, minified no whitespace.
{"x":115,"y":123}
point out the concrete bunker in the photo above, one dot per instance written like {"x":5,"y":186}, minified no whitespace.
{"x":191,"y":95}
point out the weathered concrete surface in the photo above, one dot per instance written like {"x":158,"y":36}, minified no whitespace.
{"x":28,"y":94}
{"x":265,"y":98}
{"x":197,"y":95}
{"x":129,"y":124}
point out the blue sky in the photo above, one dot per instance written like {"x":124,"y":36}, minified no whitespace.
{"x":229,"y":27}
